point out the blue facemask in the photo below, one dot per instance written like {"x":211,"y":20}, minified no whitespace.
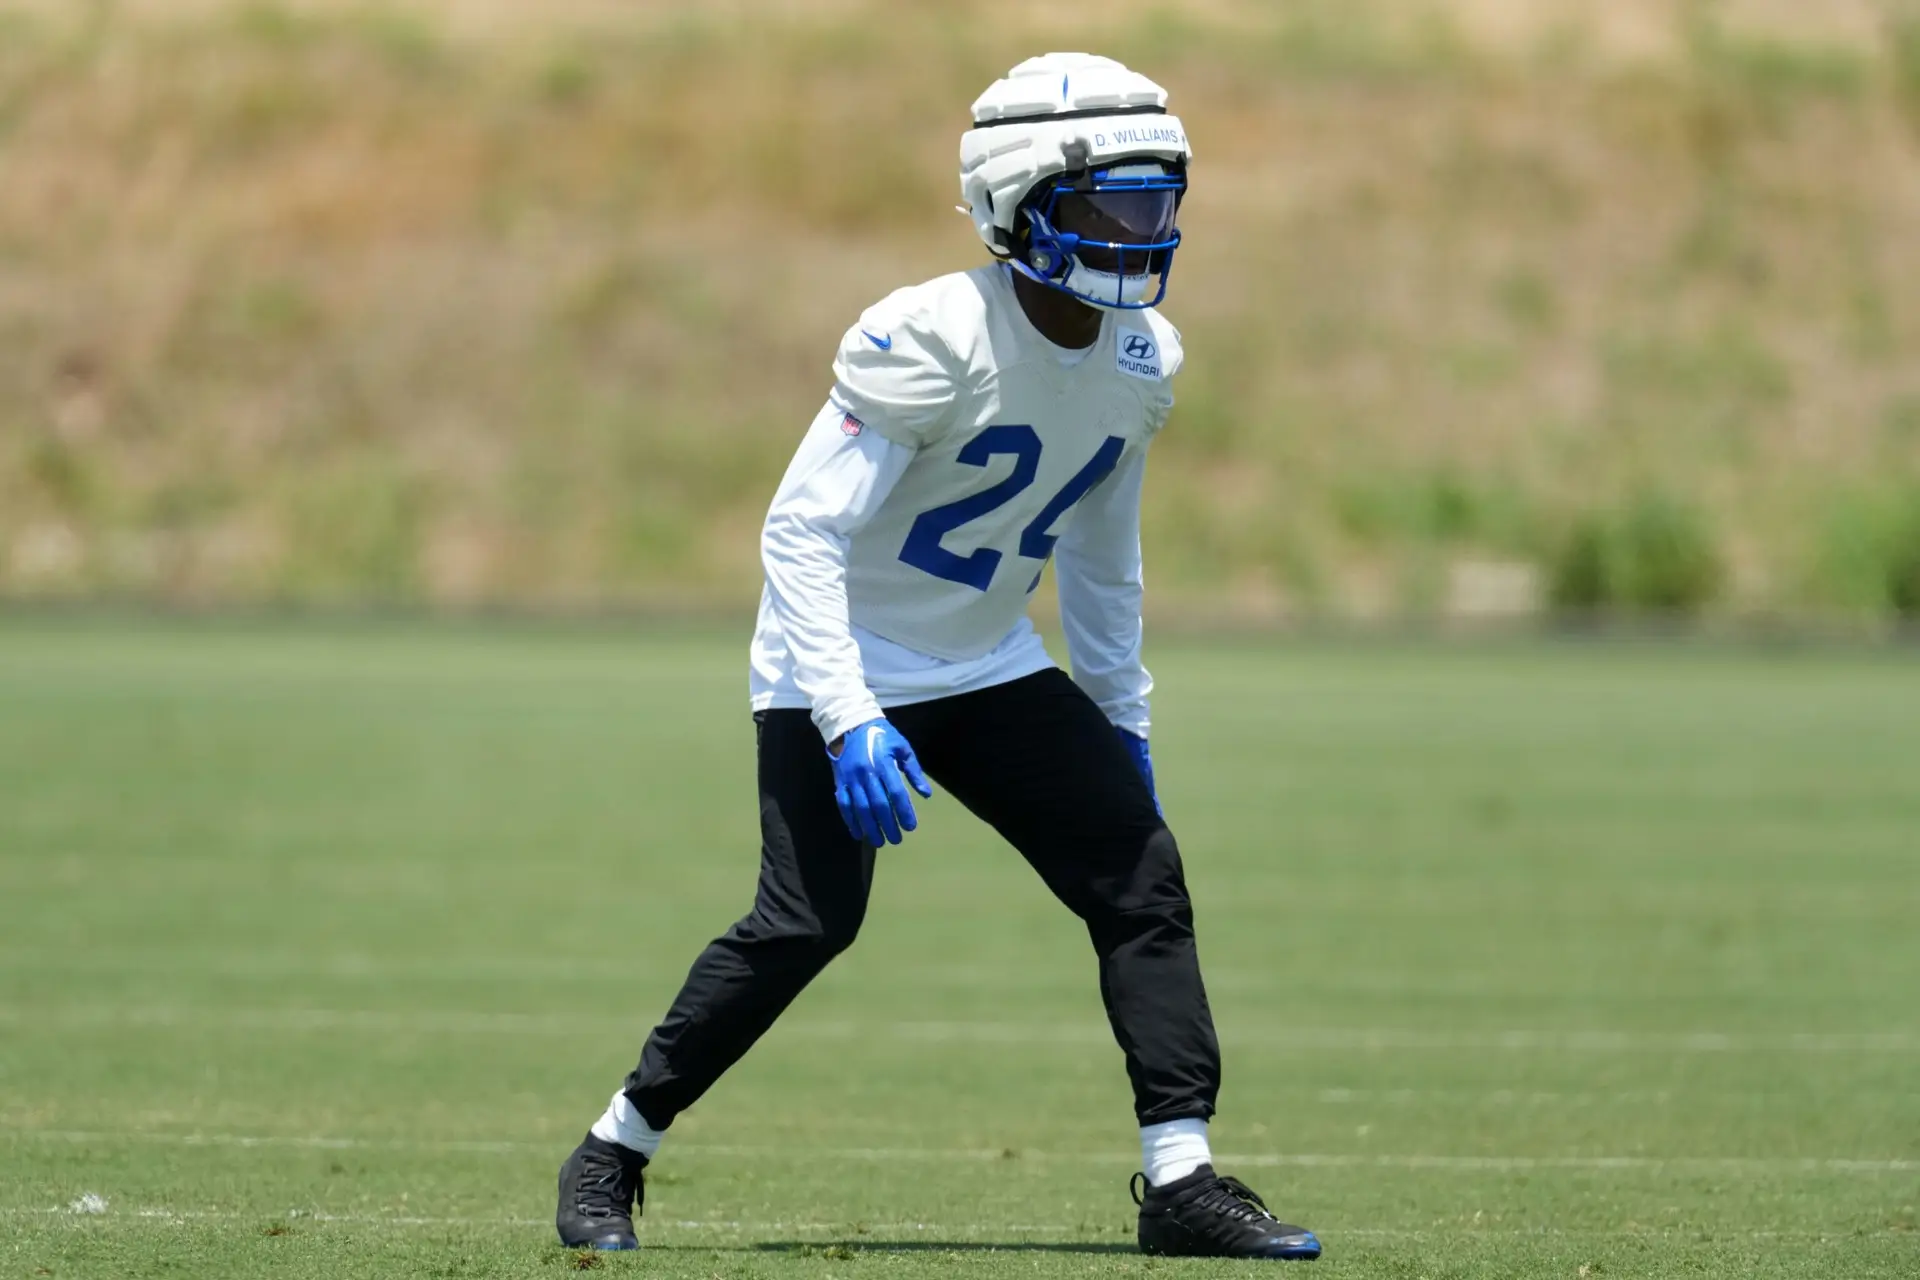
{"x":1104,"y":238}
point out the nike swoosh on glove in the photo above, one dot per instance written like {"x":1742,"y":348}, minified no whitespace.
{"x":1143,"y":761}
{"x":871,"y":772}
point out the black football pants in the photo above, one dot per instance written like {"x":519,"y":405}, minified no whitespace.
{"x":1037,"y":760}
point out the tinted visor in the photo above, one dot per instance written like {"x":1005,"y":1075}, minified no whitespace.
{"x":1134,"y":217}
{"x":1125,"y":217}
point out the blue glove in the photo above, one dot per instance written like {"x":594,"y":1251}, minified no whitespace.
{"x":872,"y":765}
{"x":1143,"y":761}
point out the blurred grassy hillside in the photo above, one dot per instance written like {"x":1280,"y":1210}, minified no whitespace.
{"x":1490,"y":304}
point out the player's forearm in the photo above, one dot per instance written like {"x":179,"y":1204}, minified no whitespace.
{"x":1101,"y":592}
{"x":830,"y":491}
{"x":807,"y":587}
{"x":1104,"y":636}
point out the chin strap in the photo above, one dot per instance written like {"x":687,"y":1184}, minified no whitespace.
{"x":1049,"y":253}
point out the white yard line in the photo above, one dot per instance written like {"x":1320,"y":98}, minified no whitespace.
{"x":1264,"y":1160}
{"x":311,"y":1142}
{"x":867,"y":1235}
{"x":1337,"y":1039}
{"x":1693,"y":1097}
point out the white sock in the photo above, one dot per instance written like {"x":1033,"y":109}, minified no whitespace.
{"x":622,"y":1124}
{"x":1174,"y":1149}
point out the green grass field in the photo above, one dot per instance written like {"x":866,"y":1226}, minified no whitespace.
{"x":320,"y":947}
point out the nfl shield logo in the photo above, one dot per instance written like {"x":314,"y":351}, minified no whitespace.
{"x":851,"y":425}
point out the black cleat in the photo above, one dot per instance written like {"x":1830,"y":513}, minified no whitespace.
{"x":601,"y":1191}
{"x":1204,"y":1215}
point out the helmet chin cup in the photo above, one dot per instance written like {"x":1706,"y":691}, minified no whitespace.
{"x":1110,"y":289}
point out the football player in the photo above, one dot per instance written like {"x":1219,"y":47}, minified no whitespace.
{"x":980,"y":425}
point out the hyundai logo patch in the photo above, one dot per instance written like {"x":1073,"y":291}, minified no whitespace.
{"x":1137,"y":356}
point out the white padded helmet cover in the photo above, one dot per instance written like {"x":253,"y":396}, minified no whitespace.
{"x":1058,"y":99}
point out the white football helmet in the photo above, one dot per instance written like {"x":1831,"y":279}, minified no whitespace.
{"x":1073,"y":172}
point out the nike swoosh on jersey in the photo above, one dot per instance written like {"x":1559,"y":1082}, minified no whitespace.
{"x":885,"y":344}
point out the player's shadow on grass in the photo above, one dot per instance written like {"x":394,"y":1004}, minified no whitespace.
{"x":848,"y":1248}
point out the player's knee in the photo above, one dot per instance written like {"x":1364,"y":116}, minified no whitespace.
{"x":1159,"y":930}
{"x":1174,"y":916}
{"x":1151,"y":882}
{"x":835,"y":933}
{"x":1147,"y":894}
{"x":819,"y":938}
{"x":805,"y":940}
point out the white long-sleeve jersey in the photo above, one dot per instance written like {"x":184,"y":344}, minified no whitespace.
{"x":958,"y":452}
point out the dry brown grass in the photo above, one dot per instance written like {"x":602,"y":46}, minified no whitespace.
{"x":442,"y":301}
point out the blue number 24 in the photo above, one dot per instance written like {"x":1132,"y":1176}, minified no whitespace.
{"x":922,"y":548}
